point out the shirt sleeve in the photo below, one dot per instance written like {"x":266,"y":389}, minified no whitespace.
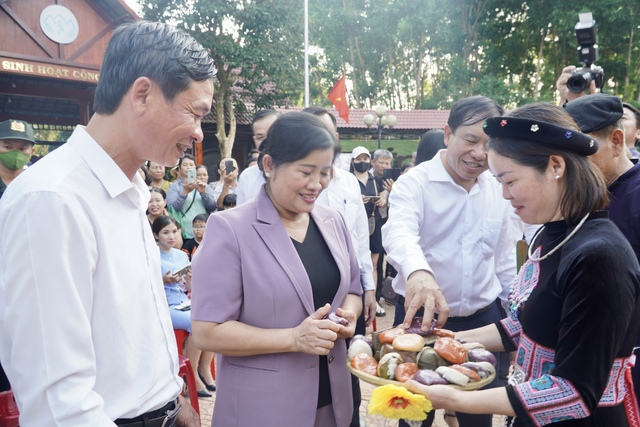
{"x":241,"y":189}
{"x":362,"y":232}
{"x":511,"y":230}
{"x":52,"y":362}
{"x":175,"y":198}
{"x":401,"y":233}
{"x":209,"y":199}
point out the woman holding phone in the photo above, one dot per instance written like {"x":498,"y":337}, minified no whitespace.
{"x":188,"y":196}
{"x":228,"y":181}
{"x":176,"y":276}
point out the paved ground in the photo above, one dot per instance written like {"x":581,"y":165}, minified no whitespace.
{"x":206,"y":405}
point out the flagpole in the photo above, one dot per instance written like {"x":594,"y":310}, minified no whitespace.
{"x":306,"y":53}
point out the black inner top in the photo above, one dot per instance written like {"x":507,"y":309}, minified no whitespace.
{"x":325,"y":279}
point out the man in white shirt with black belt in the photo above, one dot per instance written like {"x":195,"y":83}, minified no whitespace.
{"x":450,"y":234}
{"x":85,"y":332}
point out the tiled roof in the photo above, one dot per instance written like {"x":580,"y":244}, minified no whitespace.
{"x":407,"y":119}
{"x":242,"y":118}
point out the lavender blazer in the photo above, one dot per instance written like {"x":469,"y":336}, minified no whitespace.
{"x":247,"y":269}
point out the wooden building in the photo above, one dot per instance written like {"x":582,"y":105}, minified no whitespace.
{"x":50,"y":57}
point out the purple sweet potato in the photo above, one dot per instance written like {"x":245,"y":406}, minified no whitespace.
{"x":481,"y":355}
{"x":337,"y":319}
{"x":416,"y":327}
{"x":429,"y":377}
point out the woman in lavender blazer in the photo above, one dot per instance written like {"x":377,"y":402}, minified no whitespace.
{"x":265,"y":276}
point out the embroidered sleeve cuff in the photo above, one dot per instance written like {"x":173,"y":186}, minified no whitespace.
{"x":547,"y":400}
{"x":510,"y":330}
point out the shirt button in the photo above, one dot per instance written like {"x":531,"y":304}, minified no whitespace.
{"x":331,"y":358}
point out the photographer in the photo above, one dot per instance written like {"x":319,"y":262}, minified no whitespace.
{"x":561,"y":84}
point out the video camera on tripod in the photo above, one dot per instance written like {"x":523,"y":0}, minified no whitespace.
{"x":587,"y":35}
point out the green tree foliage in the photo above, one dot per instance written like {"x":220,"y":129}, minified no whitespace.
{"x":402,"y":53}
{"x":430,"y":53}
{"x":256,"y":47}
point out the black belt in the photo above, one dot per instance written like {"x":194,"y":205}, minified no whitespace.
{"x":163,"y":417}
{"x":460,"y":319}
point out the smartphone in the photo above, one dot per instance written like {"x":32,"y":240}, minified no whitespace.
{"x":372,"y":198}
{"x":184,"y":306}
{"x":183,"y":270}
{"x":228,"y":166}
{"x":191,"y":175}
{"x":392,"y":173}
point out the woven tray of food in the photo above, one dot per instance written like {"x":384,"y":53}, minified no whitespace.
{"x":396,"y":355}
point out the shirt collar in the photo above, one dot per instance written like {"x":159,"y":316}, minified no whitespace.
{"x":438,"y":173}
{"x":102,"y":165}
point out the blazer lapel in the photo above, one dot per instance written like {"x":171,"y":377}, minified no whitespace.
{"x":276,"y":239}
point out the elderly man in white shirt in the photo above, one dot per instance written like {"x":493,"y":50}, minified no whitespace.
{"x":85,"y":332}
{"x":450,"y":234}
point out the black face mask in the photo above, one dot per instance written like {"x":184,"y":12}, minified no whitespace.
{"x":361,"y":166}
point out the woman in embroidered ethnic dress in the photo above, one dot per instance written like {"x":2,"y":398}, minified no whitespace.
{"x":573,"y":309}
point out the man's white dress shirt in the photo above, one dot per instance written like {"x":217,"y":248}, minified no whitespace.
{"x":466,"y":239}
{"x":85,"y":331}
{"x":250,"y":182}
{"x":343,"y":194}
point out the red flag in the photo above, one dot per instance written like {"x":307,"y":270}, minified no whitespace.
{"x":338,"y":97}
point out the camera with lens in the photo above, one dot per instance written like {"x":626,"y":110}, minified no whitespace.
{"x":587,"y":35}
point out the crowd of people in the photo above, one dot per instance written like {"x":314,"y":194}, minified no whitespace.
{"x":118,"y":238}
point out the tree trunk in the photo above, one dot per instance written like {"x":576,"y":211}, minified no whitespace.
{"x":536,"y":86}
{"x":224,"y":105}
{"x":418,"y":75}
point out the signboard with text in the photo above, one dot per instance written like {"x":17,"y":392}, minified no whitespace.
{"x":31,"y":68}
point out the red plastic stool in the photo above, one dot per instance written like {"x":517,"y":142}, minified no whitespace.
{"x":186,"y":372}
{"x":181,"y":337}
{"x":8,"y":410}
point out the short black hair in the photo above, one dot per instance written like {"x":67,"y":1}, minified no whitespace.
{"x":472,"y":110}
{"x":229,"y":200}
{"x":168,"y":56}
{"x":200,"y":217}
{"x":188,"y":157}
{"x":264,"y":113}
{"x":319,"y":111}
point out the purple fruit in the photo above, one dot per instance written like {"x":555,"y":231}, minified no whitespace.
{"x":429,"y":377}
{"x":481,"y":355}
{"x":338,"y":319}
{"x":416,"y":327}
{"x":478,"y":369}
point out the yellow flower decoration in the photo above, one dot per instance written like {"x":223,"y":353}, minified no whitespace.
{"x":396,"y":402}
